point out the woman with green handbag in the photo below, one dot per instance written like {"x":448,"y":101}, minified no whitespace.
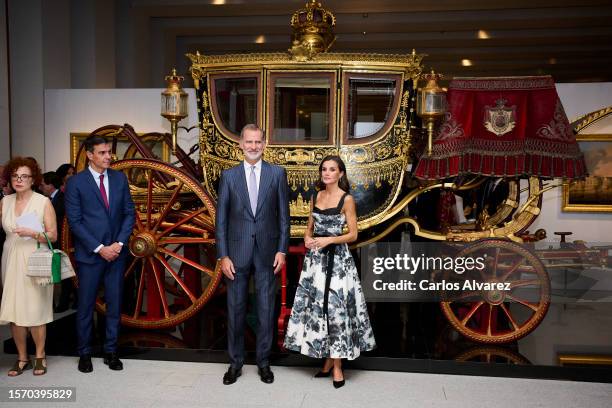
{"x":25,"y":304}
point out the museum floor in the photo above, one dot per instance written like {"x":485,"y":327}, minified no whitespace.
{"x":148,"y":383}
{"x":419,"y":360}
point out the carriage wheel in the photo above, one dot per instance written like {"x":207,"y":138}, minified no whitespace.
{"x":498,"y":316}
{"x":172,"y":271}
{"x":153,"y":141}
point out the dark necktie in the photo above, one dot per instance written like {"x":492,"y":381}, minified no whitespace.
{"x":103,"y":191}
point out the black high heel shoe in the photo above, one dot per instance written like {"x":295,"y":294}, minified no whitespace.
{"x":323,"y":374}
{"x":338,"y":384}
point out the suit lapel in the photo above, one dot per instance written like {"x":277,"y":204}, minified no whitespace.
{"x":265,"y":181}
{"x":242,"y":187}
{"x":113,"y":188}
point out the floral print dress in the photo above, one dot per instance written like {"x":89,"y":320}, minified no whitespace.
{"x":329,"y":316}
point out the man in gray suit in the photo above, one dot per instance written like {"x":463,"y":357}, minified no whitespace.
{"x":252,"y":227}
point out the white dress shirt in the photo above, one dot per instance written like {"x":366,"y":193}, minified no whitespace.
{"x":96,"y":177}
{"x":247,"y":172}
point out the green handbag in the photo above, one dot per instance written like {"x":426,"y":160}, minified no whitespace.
{"x":47,"y":265}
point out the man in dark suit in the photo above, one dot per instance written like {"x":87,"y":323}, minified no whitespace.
{"x":100,"y":213}
{"x":252,"y":227}
{"x":50,"y":186}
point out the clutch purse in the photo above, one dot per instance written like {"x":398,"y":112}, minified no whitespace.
{"x":47,"y":265}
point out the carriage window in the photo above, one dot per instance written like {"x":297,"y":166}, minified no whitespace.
{"x":301,"y":108}
{"x":236,"y":102}
{"x":370,"y":103}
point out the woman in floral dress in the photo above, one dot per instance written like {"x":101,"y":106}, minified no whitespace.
{"x":329,"y":318}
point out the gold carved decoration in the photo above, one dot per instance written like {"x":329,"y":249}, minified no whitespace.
{"x":410,"y":64}
{"x":299,"y":207}
{"x":591,"y":118}
{"x":299,"y":156}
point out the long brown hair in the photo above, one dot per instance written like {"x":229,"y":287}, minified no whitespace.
{"x":343,"y":183}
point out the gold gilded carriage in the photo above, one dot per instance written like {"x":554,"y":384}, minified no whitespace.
{"x":308,"y":111}
{"x":311,"y":103}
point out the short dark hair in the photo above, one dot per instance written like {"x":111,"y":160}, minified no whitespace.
{"x":254,"y":127}
{"x":94,"y":140}
{"x":17,"y":162}
{"x":51,"y":177}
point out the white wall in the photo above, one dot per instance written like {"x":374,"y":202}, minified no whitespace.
{"x":26,"y":77}
{"x":5,"y":149}
{"x":84,"y":110}
{"x":578,"y":99}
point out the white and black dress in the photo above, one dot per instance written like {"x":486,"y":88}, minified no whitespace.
{"x":329,"y":316}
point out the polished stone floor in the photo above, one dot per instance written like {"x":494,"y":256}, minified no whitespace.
{"x":149,"y":383}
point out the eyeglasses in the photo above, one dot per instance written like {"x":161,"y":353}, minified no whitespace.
{"x":21,"y":177}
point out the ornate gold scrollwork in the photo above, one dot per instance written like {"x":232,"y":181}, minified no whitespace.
{"x":299,"y":156}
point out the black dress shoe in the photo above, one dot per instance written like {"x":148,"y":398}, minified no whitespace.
{"x":266,"y":374}
{"x":113,"y":362}
{"x":85,"y":365}
{"x":231,"y":375}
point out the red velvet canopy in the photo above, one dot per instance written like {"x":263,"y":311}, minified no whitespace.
{"x":504,"y":127}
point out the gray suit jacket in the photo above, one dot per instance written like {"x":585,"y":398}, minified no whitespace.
{"x":239,"y":232}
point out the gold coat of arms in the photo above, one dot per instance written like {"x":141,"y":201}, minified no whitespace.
{"x":500,"y":119}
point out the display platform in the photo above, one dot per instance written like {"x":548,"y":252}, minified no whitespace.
{"x":573,"y":342}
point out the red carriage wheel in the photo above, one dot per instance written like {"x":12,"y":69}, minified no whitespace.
{"x":499,"y":316}
{"x":172,"y":271}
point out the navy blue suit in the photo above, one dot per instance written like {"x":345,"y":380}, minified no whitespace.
{"x":93,"y":224}
{"x":251,"y":241}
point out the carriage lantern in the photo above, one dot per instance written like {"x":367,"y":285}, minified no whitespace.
{"x":431,"y":105}
{"x":174,"y":104}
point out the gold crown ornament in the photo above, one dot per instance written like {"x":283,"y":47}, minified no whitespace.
{"x":313,"y":31}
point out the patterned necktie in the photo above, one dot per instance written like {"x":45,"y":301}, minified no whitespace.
{"x":253,"y":190}
{"x":103,"y":191}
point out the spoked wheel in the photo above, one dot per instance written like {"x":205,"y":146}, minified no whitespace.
{"x":123,"y":147}
{"x":496,"y":315}
{"x":172,"y":271}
